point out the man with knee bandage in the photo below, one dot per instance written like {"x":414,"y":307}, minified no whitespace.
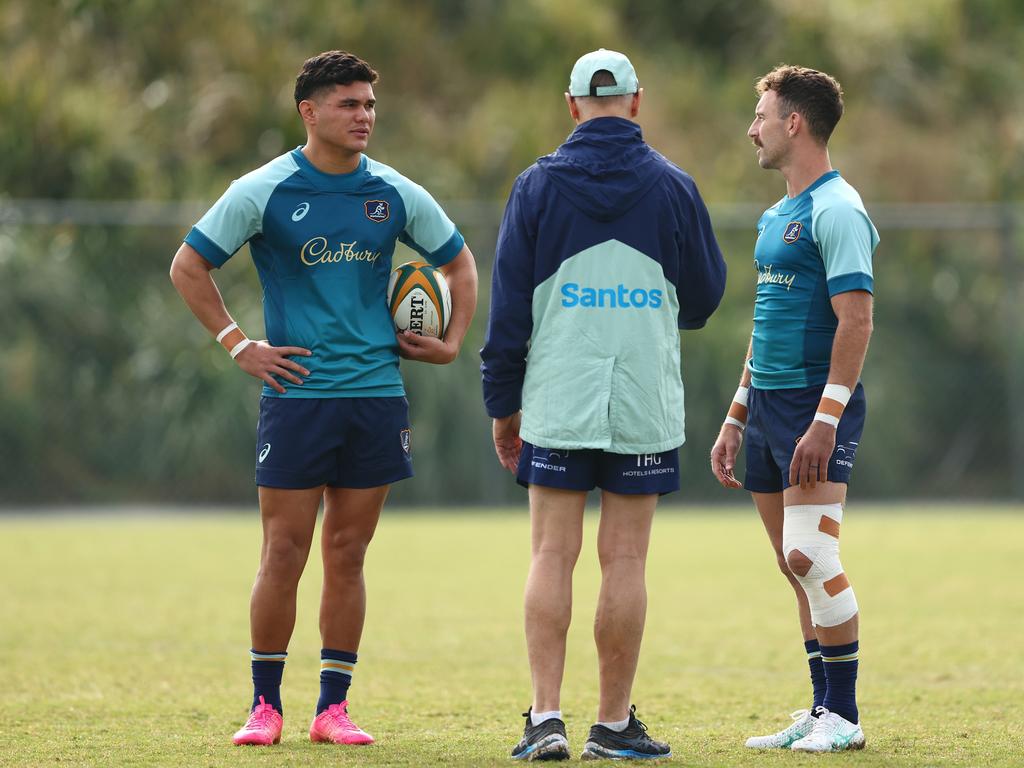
{"x":800,"y":402}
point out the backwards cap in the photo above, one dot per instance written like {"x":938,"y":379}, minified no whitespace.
{"x":595,"y":61}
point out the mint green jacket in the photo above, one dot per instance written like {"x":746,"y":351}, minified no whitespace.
{"x":604,"y":253}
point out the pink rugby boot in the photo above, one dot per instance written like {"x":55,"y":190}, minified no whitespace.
{"x":263,"y":726}
{"x":334,"y":725}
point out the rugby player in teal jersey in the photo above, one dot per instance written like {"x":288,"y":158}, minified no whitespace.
{"x":800,"y":401}
{"x":321,"y":222}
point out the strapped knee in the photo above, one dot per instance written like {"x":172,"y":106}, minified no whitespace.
{"x":810,"y":542}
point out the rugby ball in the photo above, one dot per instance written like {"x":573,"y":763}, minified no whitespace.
{"x":419,"y":299}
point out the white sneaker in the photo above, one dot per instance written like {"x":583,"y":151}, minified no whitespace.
{"x":802,"y":724}
{"x":830,"y":733}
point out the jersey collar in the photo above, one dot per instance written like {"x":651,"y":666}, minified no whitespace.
{"x":331,"y":182}
{"x":789,"y":203}
{"x":825,"y":177}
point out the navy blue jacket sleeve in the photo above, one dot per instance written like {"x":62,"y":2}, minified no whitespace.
{"x":510,"y":322}
{"x":701,"y":268}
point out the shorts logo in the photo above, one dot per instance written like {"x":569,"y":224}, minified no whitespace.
{"x":377,"y":210}
{"x":265,"y":452}
{"x":406,"y":437}
{"x":300,"y":212}
{"x":844,"y":455}
{"x":792,"y":233}
{"x":649,"y":465}
{"x":551,"y":463}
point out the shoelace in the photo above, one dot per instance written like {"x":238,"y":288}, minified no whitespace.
{"x":260,"y":716}
{"x":340,"y":716}
{"x":637,"y":720}
{"x":823,"y":722}
{"x":799,"y":715}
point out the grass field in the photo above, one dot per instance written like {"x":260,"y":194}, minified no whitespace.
{"x":124,"y":640}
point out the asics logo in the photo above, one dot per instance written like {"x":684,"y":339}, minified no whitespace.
{"x":265,"y":452}
{"x":300,"y":212}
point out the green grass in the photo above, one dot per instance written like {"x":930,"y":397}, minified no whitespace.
{"x":124,"y":640}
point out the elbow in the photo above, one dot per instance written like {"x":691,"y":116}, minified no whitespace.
{"x":175,"y":273}
{"x":187,"y":267}
{"x":179,"y":274}
{"x":182,"y":275}
{"x":866,"y":325}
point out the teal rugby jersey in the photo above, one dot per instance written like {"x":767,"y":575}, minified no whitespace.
{"x":809,"y":248}
{"x":322,"y":244}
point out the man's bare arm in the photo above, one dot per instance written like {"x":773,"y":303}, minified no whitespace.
{"x":853,"y":310}
{"x":191,"y":275}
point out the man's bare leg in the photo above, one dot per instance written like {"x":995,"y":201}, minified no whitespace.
{"x":770,"y":506}
{"x":822,"y":493}
{"x":622,"y":542}
{"x":556,"y":519}
{"x":350,"y":520}
{"x":813,"y":525}
{"x":289,"y":517}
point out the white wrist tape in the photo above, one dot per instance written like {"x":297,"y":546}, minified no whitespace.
{"x":738,"y":408}
{"x":236,"y":350}
{"x":233,"y":339}
{"x":742,"y":393}
{"x":225,"y":332}
{"x":833,"y":401}
{"x":828,"y":418}
{"x":837,"y":392}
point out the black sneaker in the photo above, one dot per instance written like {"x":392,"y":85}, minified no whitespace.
{"x":546,"y":741}
{"x":631,"y":744}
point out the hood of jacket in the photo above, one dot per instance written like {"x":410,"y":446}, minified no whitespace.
{"x":604,"y":168}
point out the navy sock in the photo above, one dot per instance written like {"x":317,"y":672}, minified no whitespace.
{"x":840,"y":663}
{"x":817,"y":672}
{"x":267,"y":670}
{"x":336,"y":669}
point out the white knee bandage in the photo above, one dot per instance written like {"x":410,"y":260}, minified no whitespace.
{"x":813,"y":529}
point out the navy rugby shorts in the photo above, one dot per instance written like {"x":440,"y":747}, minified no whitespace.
{"x":343,"y":442}
{"x":585,"y":469}
{"x":777,"y":418}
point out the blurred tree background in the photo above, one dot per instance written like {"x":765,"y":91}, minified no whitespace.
{"x":122,"y":121}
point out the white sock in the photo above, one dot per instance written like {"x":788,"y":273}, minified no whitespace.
{"x":619,"y":725}
{"x":536,"y":718}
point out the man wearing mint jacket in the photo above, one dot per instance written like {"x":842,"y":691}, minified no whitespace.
{"x":605,"y":252}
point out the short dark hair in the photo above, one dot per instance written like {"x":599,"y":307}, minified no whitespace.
{"x":816,"y":96}
{"x":328,"y":69}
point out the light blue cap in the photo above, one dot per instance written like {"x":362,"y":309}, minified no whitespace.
{"x":614,"y":62}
